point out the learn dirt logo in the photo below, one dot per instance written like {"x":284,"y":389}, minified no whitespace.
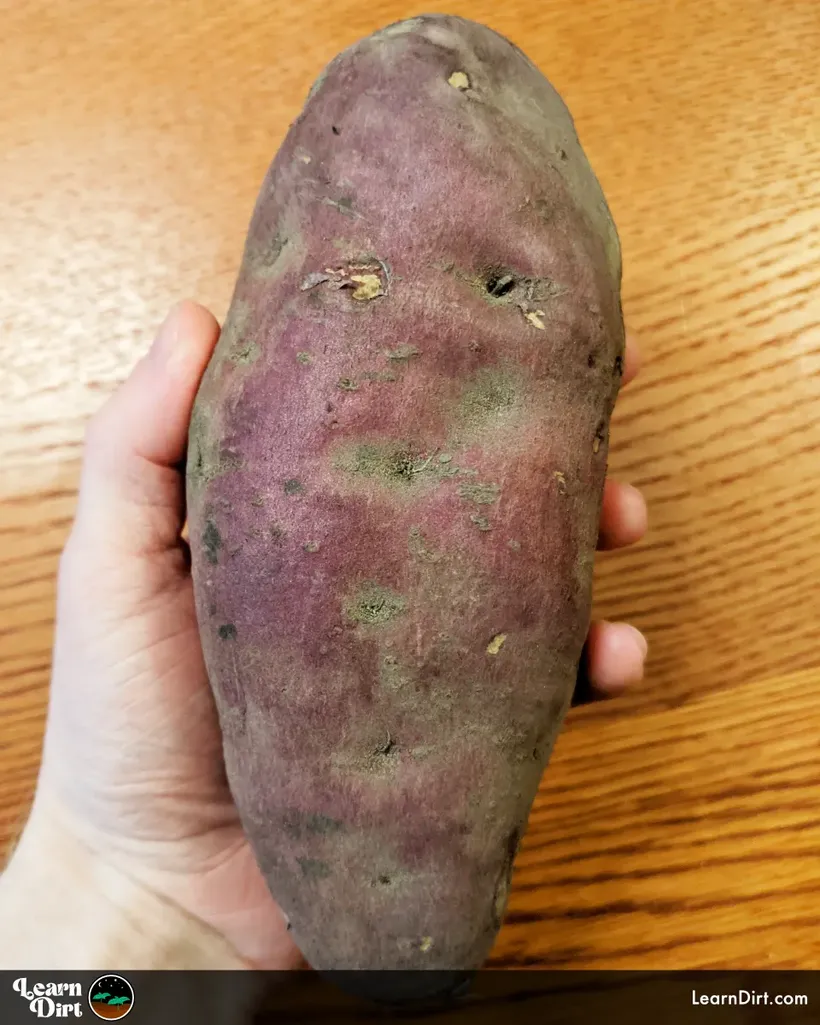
{"x":111,"y":996}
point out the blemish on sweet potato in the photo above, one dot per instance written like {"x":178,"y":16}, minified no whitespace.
{"x":293,"y":487}
{"x":245,"y":353}
{"x":403,"y":352}
{"x":499,"y":284}
{"x":393,"y":675}
{"x":459,"y":80}
{"x":496,"y":644}
{"x":205,"y":461}
{"x":227,"y":632}
{"x":369,"y":286}
{"x":536,"y":318}
{"x":390,"y":463}
{"x":313,"y":279}
{"x":344,"y":205}
{"x":387,"y":746}
{"x":490,"y":392}
{"x":211,"y":542}
{"x":418,"y":546}
{"x":364,"y":280}
{"x":322,"y":824}
{"x":373,"y":604}
{"x":299,"y":824}
{"x":379,"y":377}
{"x":503,"y":287}
{"x":267,"y":255}
{"x":313,"y":868}
{"x":481,"y":494}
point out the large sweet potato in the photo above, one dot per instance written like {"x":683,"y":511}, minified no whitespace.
{"x":395,"y":473}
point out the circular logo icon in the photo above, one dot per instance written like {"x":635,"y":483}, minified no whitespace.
{"x":111,"y":996}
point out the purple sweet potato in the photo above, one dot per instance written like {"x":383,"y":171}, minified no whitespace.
{"x":395,"y":473}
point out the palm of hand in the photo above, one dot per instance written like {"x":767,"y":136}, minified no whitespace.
{"x":147,"y":783}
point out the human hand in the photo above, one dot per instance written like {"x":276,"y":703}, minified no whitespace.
{"x":132,"y":761}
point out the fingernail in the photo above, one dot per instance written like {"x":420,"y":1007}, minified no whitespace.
{"x":639,"y":639}
{"x":165,"y":341}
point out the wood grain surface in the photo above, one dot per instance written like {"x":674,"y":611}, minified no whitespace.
{"x":679,"y":826}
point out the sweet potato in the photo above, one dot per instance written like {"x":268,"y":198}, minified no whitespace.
{"x":395,"y":473}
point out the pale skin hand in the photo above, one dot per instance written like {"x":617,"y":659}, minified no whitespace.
{"x":132,"y":756}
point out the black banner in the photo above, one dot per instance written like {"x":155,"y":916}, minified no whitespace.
{"x":486,"y":998}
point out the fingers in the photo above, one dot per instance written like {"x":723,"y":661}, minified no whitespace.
{"x":613,"y":659}
{"x":632,"y":360}
{"x":624,"y":517}
{"x":131,"y":492}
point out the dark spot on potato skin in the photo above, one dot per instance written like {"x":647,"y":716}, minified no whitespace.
{"x":322,"y":824}
{"x":211,"y":542}
{"x":499,"y":284}
{"x":227,"y":632}
{"x":270,"y":251}
{"x":294,"y":487}
{"x":336,"y":130}
{"x":299,"y":824}
{"x":313,"y":868}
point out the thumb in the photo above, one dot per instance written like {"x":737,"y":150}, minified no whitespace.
{"x":132,"y":491}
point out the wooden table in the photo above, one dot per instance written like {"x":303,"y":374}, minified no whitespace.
{"x":680,"y":826}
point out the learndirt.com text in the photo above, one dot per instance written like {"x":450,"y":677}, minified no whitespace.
{"x":750,"y":998}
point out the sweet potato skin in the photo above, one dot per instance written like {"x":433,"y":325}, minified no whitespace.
{"x":395,"y":472}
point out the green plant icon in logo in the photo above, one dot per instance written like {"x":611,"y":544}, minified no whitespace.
{"x":111,"y":997}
